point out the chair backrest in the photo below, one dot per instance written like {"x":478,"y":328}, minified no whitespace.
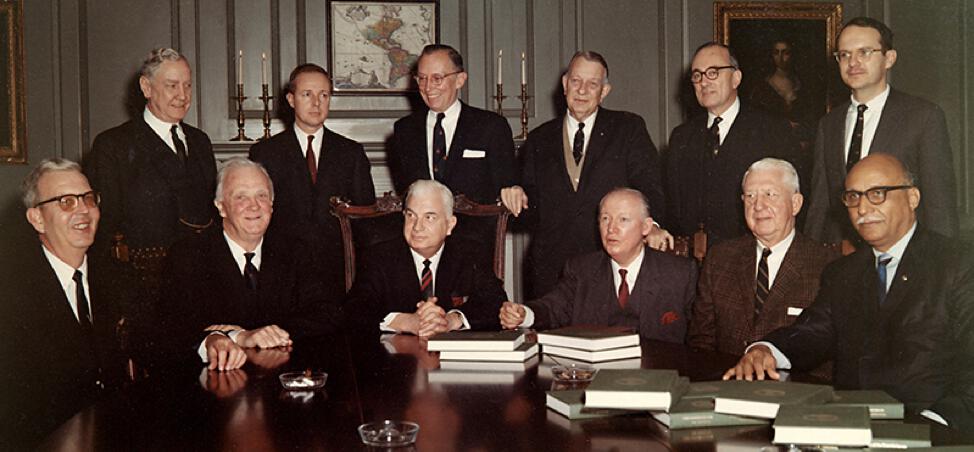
{"x":694,"y":246}
{"x":390,"y":204}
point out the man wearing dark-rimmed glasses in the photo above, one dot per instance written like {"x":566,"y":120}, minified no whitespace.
{"x":897,"y":315}
{"x":878,"y":118}
{"x":709,"y":154}
{"x":59,"y":347}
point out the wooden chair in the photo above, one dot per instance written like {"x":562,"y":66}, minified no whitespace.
{"x":390,"y":204}
{"x":694,"y":246}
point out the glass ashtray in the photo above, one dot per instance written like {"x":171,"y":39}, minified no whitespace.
{"x":573,"y":373}
{"x":388,"y":433}
{"x":303,"y":381}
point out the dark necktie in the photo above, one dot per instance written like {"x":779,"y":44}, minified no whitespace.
{"x":715,"y":135}
{"x":250,"y":272}
{"x":761,"y":286}
{"x":623,"y":289}
{"x":84,"y":315}
{"x":855,"y":147}
{"x":578,"y":147}
{"x":426,"y":281}
{"x":881,"y":263}
{"x":178,"y":144}
{"x":312,"y":163}
{"x":439,"y":146}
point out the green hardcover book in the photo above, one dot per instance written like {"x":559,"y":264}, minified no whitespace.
{"x":498,"y":341}
{"x":897,"y":435}
{"x":633,"y":389}
{"x":590,"y":338}
{"x":569,"y":404}
{"x":823,"y":425}
{"x":710,"y":389}
{"x":699,"y":412}
{"x":762,"y":398}
{"x":881,"y":405}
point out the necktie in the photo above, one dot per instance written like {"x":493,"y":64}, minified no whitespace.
{"x":623,"y":289}
{"x":312,"y":163}
{"x":84,"y":315}
{"x":579,"y":145}
{"x":715,"y":135}
{"x":855,"y":147}
{"x":439,"y":146}
{"x":881,"y":263}
{"x":178,"y":144}
{"x":761,"y":286}
{"x":250,"y":272}
{"x":426,"y":281}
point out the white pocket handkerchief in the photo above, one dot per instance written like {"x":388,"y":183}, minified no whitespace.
{"x":473,"y":154}
{"x":794,"y":311}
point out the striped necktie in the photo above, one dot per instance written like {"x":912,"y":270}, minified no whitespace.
{"x":761,"y":286}
{"x":426,"y":281}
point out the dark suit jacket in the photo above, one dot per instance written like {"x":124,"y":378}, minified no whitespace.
{"x":917,"y":346}
{"x":912,"y":130}
{"x":388,"y":283}
{"x":564,"y":221}
{"x":204,"y":286}
{"x":481,"y":179}
{"x":144,"y":190}
{"x":704,"y":188}
{"x":723,"y":315}
{"x":302,"y":209}
{"x":48,"y":372}
{"x":659,"y":303}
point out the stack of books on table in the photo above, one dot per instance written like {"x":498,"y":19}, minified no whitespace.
{"x":620,"y":391}
{"x":509,"y":346}
{"x":881,"y":405}
{"x":480,"y":372}
{"x":823,"y":425}
{"x":763,"y":398}
{"x":592,"y":344}
{"x":696,"y":408}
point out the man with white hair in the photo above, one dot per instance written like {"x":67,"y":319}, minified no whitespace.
{"x":760,"y":281}
{"x":424,"y":284}
{"x":235,"y":287}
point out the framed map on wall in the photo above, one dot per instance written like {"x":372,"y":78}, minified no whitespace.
{"x":374,"y":46}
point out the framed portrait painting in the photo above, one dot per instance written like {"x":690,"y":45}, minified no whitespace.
{"x":785,"y":54}
{"x":13,"y":127}
{"x":374,"y":45}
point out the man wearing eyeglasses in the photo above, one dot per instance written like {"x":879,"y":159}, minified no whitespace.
{"x":896,"y":316}
{"x":709,"y":154}
{"x":878,"y":119}
{"x":59,"y":318}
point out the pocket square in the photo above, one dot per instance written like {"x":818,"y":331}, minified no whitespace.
{"x":458,"y":301}
{"x":669,"y":317}
{"x":794,"y":311}
{"x":473,"y":154}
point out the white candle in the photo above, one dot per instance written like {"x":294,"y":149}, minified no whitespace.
{"x":263,"y":68}
{"x":500,"y":67}
{"x":240,"y":68}
{"x":524,"y":70}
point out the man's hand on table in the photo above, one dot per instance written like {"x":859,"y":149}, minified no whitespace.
{"x":755,"y":364}
{"x":511,"y":315}
{"x":265,"y":337}
{"x":222,"y":353}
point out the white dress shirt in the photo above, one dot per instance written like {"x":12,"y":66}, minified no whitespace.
{"x":418,"y":263}
{"x":65,"y":276}
{"x":571,"y":125}
{"x":726,"y":118}
{"x":316,"y":144}
{"x":450,"y":118}
{"x":870,"y":120}
{"x":164,"y":130}
{"x":776,"y":257}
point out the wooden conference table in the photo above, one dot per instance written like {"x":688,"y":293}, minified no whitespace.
{"x":393,"y":377}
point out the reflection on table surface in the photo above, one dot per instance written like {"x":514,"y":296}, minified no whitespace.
{"x":458,"y":405}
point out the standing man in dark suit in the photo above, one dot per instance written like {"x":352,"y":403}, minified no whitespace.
{"x":59,"y":347}
{"x":878,"y":119}
{"x":627,"y":284}
{"x":423,"y":283}
{"x":235,"y":287}
{"x":709,"y":154}
{"x":763,"y":280}
{"x":155,"y":173}
{"x":570,"y":163}
{"x":896,"y":316}
{"x":309,"y":164}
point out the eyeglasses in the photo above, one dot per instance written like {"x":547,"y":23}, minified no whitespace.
{"x":875,"y":195}
{"x":435,"y":79}
{"x":711,"y":72}
{"x":70,"y":202}
{"x":864,"y":54}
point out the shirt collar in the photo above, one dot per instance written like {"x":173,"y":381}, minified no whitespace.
{"x":899,"y":247}
{"x":303,"y":138}
{"x":572,"y":123}
{"x":64,"y":272}
{"x":452,"y":112}
{"x":875,"y":104}
{"x":633,"y":267}
{"x":237,"y":252}
{"x":779,"y":248}
{"x":727,"y":117}
{"x":434,"y":259}
{"x":160,"y":127}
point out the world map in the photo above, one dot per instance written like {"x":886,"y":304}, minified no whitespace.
{"x":375,"y":45}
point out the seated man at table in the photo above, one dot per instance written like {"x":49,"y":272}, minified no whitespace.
{"x":898,"y":316}
{"x":627,"y":284}
{"x":756,"y":283}
{"x":234,"y":287}
{"x":425,"y":284}
{"x":59,"y":317}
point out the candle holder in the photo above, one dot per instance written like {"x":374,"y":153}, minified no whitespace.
{"x":267,"y":112}
{"x":524,"y":111}
{"x":240,"y":115}
{"x":499,"y":98}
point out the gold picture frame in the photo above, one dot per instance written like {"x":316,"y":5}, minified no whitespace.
{"x":13,"y":126}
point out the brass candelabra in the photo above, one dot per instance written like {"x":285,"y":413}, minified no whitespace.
{"x":241,"y":136}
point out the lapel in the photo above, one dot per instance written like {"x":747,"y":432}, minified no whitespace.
{"x":789,"y":274}
{"x":294,"y":152}
{"x":227,"y":274}
{"x":155,"y":154}
{"x":406,"y":271}
{"x":53,"y":305}
{"x":835,"y":145}
{"x":908,"y":272}
{"x":745,"y":275}
{"x":446,"y":276}
{"x":455,"y":153}
{"x":603,"y":288}
{"x":644,"y":291}
{"x":554,"y":155}
{"x":604,"y":122}
{"x":890,"y":119}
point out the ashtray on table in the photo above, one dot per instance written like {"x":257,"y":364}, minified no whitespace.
{"x":388,"y":433}
{"x":303,"y":381}
{"x":573,"y":373}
